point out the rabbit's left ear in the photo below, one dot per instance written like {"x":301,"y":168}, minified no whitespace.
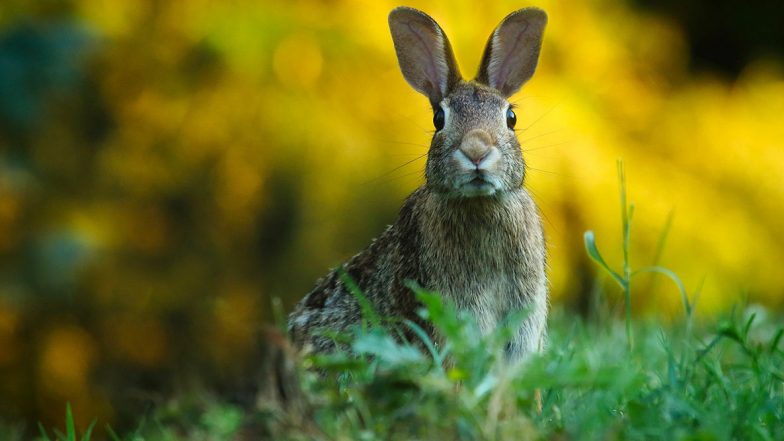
{"x":512,"y":51}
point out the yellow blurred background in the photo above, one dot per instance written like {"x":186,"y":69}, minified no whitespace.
{"x":169,"y":168}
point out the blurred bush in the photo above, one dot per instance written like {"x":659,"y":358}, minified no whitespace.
{"x":167,"y":168}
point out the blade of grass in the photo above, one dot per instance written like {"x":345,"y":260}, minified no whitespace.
{"x":368,"y":312}
{"x":593,"y":252}
{"x":626,"y":216}
{"x":657,"y":255}
{"x":431,"y":348}
{"x":112,"y":433}
{"x":774,"y":345}
{"x":42,"y":431}
{"x":687,"y":307}
{"x":70,"y":429}
{"x":89,"y":432}
{"x":660,"y":243}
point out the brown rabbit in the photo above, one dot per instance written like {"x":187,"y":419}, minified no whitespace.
{"x":472,"y":232}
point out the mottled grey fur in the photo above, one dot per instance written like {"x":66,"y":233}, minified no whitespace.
{"x":472,"y":232}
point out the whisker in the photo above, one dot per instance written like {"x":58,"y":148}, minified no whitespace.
{"x":405,"y":175}
{"x":528,"y":167}
{"x":411,"y":120}
{"x":415,"y":144}
{"x":396,"y":169}
{"x":405,"y":155}
{"x":539,"y":136}
{"x":537,"y":199}
{"x":540,"y":117}
{"x":545,"y":146}
{"x":527,"y":97}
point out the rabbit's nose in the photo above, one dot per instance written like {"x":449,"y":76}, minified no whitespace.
{"x":476,"y":145}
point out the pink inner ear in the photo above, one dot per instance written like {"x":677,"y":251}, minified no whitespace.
{"x":428,"y":61}
{"x":430,"y":57}
{"x":508,"y":56}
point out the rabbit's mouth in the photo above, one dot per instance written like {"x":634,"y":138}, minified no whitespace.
{"x":477,"y":184}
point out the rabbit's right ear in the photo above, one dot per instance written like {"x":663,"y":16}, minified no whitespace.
{"x":424,"y":53}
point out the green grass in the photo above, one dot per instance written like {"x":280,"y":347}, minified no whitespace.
{"x":720,"y":381}
{"x":626,"y":274}
{"x":714,"y":382}
{"x":70,"y":430}
{"x":600,"y":378}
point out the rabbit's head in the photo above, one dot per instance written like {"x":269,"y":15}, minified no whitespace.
{"x":474,"y":151}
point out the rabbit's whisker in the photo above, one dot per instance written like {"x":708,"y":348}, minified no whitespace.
{"x":396,"y":168}
{"x":539,"y":136}
{"x":537,"y":199}
{"x":528,"y":167}
{"x":398,"y":177}
{"x":547,"y":146}
{"x":540,"y":118}
{"x":415,"y":144}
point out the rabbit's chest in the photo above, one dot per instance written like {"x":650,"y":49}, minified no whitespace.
{"x":487,"y":299}
{"x":488,"y":257}
{"x":485,"y":274}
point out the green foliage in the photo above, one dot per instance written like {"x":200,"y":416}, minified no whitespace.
{"x":721,"y":381}
{"x":70,"y":429}
{"x":624,"y":277}
{"x":717,"y":382}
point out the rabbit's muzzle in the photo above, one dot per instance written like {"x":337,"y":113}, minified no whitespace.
{"x":477,"y":160}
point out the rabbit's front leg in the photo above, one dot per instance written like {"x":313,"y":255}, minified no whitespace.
{"x":529,"y":338}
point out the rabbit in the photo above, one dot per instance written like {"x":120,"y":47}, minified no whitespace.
{"x":471,"y":233}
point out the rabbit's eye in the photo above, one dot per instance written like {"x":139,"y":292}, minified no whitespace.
{"x":438,"y":119}
{"x":511,"y":118}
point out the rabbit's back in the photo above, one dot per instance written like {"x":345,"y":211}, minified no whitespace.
{"x":379,"y":272}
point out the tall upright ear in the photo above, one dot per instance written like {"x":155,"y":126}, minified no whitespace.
{"x":424,"y":53}
{"x":512,"y":51}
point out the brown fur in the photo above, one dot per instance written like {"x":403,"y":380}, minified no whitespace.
{"x":472,"y":233}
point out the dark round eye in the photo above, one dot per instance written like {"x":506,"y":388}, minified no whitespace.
{"x":511,"y":118}
{"x":438,"y":119}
